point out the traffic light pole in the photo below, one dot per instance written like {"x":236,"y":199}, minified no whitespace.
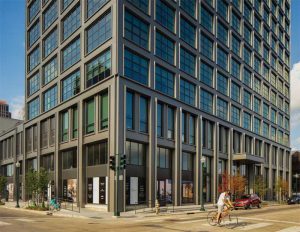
{"x":117,"y":213}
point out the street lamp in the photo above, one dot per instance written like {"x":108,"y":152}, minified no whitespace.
{"x":18,"y":182}
{"x":297,"y":175}
{"x":202,"y":184}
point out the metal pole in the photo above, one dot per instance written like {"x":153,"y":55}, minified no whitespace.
{"x":202,"y":185}
{"x":117,"y":213}
{"x":18,"y":185}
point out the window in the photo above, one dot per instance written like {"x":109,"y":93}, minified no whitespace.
{"x":34,"y":33}
{"x":71,"y":85}
{"x":235,"y":92}
{"x":187,"y":31}
{"x":247,"y":34}
{"x":50,"y":15}
{"x":222,"y":60}
{"x":257,"y":85}
{"x":188,"y":6}
{"x":69,"y":159}
{"x":207,"y":46}
{"x":265,"y":91}
{"x":273,"y":115}
{"x":34,"y":8}
{"x":266,"y":35}
{"x":143,"y":114}
{"x":33,"y":108}
{"x":47,"y":162}
{"x":257,"y":24}
{"x":89,"y":116}
{"x":129,"y":110}
{"x":266,"y":73}
{"x":247,"y":56}
{"x":273,"y":133}
{"x":247,"y":99}
{"x":187,"y":61}
{"x":222,"y":84}
{"x":141,"y":4}
{"x":235,"y":45}
{"x":256,"y":105}
{"x":187,"y":92}
{"x":65,"y":3}
{"x":164,"y":80}
{"x":235,"y":22}
{"x":99,"y":68}
{"x":247,"y":121}
{"x":222,"y":33}
{"x":206,"y":74}
{"x":256,"y":125}
{"x":257,"y":65}
{"x":273,"y":97}
{"x":71,"y":54}
{"x":33,"y":84}
{"x":192,"y":130}
{"x":75,"y":123}
{"x":50,"y":43}
{"x":266,"y":130}
{"x":266,"y":111}
{"x":235,"y":115}
{"x":99,"y":32}
{"x":136,"y":67}
{"x":165,"y":15}
{"x":222,"y":8}
{"x":247,"y":77}
{"x":135,"y":153}
{"x":103,"y":111}
{"x":257,"y":44}
{"x":207,"y":19}
{"x":171,"y":122}
{"x":165,"y":48}
{"x":164,"y":158}
{"x":136,"y":30}
{"x":187,"y":161}
{"x":235,"y":68}
{"x":94,"y":5}
{"x":97,"y":153}
{"x":222,"y":108}
{"x":50,"y":71}
{"x":34,"y":59}
{"x":50,"y":98}
{"x":184,"y":127}
{"x":71,"y":23}
{"x":206,"y":101}
{"x":159,"y":125}
{"x":248,"y":12}
{"x":65,"y":126}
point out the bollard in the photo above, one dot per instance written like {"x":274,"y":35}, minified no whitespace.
{"x":157,"y":207}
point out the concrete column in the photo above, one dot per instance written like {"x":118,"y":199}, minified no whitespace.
{"x":198,"y":169}
{"x":270,"y":173}
{"x":80,"y":154}
{"x":177,"y":157}
{"x":230,"y":151}
{"x":215,"y":161}
{"x":243,"y":149}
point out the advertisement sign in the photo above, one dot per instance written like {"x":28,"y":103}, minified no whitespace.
{"x":95,"y":190}
{"x":70,"y":190}
{"x":10,"y":188}
{"x":134,"y":190}
{"x":102,"y":189}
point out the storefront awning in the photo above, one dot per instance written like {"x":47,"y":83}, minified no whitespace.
{"x":247,"y":158}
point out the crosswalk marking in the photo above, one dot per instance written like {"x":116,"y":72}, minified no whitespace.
{"x":269,"y":220}
{"x":191,"y":221}
{"x":4,"y":223}
{"x":24,"y":220}
{"x":290,"y":229}
{"x":256,"y":226}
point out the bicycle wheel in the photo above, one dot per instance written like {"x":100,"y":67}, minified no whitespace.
{"x":230,"y":221}
{"x":212,"y":218}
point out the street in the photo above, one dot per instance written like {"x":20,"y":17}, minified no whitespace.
{"x":280,"y":218}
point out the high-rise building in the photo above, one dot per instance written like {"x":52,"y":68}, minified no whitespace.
{"x":164,"y":82}
{"x":4,"y":110}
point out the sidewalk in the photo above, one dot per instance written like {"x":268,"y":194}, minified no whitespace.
{"x":92,"y":213}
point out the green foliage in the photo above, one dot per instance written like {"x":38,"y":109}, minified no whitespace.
{"x":3,"y":182}
{"x":260,"y":186}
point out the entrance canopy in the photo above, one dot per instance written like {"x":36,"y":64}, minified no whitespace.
{"x":247,"y":158}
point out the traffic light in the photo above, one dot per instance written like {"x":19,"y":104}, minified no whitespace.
{"x":112,"y":162}
{"x":123,"y":162}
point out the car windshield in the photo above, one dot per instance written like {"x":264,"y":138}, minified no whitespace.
{"x":245,"y":197}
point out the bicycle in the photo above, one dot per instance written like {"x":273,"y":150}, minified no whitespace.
{"x":226,"y":219}
{"x":53,"y":205}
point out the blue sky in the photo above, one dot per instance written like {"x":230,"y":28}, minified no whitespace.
{"x":12,"y":47}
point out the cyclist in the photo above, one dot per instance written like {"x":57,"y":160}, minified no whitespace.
{"x":224,"y":204}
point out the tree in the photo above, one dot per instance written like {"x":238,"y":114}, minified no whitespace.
{"x":281,"y":188}
{"x":238,"y":184}
{"x":3,"y":182}
{"x":260,"y":186}
{"x":224,"y":182}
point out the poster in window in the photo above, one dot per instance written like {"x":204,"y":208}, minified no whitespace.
{"x":134,"y":190}
{"x":102,"y":190}
{"x":127,"y":188}
{"x":95,"y":190}
{"x":187,"y":192}
{"x":10,"y":188}
{"x":142,"y":190}
{"x":72,"y":190}
{"x":65,"y":189}
{"x":90,"y":190}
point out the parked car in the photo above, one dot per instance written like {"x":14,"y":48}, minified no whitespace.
{"x":293,"y":200}
{"x":246,"y":201}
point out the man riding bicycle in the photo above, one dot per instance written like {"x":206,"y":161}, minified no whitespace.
{"x":224,"y":204}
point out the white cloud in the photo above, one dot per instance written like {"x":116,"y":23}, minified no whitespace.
{"x":17,"y":107}
{"x":295,"y":87}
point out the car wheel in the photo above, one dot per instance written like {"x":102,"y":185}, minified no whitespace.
{"x":246,"y":207}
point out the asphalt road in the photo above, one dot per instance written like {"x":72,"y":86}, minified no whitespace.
{"x":277,"y":219}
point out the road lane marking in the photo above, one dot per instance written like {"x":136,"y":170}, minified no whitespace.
{"x":191,"y":221}
{"x":290,"y":229}
{"x":24,"y":220}
{"x":256,"y":226}
{"x":4,"y":223}
{"x":269,"y":220}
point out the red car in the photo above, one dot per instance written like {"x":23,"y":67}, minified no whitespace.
{"x":246,"y":201}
